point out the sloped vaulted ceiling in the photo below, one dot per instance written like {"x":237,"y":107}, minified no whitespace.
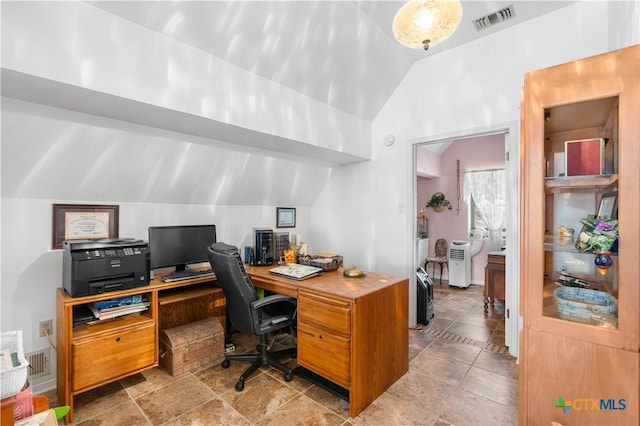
{"x":340,"y":52}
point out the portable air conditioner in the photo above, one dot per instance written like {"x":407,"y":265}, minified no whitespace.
{"x":460,"y":263}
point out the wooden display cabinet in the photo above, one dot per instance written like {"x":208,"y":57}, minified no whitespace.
{"x":579,"y":371}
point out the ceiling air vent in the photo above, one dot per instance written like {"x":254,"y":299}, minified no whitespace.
{"x":494,"y":18}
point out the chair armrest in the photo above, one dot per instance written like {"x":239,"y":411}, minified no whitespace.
{"x":269,"y":300}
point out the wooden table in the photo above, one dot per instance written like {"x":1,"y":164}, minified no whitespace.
{"x":352,"y":331}
{"x":494,"y":279}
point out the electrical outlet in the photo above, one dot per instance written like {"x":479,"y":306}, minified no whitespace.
{"x":45,"y":327}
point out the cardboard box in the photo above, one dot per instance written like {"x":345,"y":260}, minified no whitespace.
{"x":192,"y":346}
{"x":45,"y":418}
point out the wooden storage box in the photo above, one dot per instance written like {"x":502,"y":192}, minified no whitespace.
{"x":192,"y":346}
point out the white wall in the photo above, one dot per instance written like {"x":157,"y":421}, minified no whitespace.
{"x":461,"y":90}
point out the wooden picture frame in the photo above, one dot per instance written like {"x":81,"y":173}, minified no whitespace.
{"x":84,"y":222}
{"x":285,"y":217}
{"x":608,"y":207}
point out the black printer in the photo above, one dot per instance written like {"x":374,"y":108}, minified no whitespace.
{"x":99,"y":266}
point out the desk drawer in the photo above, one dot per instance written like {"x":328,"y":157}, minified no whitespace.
{"x":98,"y":360}
{"x":332,"y":314}
{"x":324,"y":353}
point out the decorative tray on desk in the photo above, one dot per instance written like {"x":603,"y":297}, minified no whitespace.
{"x":327,"y":262}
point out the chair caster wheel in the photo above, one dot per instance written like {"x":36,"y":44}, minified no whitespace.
{"x":225,"y":363}
{"x":288,"y":377}
{"x":240,"y":385}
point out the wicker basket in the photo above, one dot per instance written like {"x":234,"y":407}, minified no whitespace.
{"x":13,"y":379}
{"x":580,"y":304}
{"x":327,"y":263}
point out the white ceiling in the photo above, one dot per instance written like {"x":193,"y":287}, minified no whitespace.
{"x":339,"y":52}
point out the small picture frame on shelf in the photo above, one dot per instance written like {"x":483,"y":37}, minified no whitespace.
{"x":285,"y":217}
{"x":608,"y":207}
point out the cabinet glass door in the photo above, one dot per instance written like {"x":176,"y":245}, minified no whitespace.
{"x":581,"y":232}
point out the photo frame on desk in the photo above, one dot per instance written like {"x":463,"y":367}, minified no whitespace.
{"x":83,"y":222}
{"x":608,"y":207}
{"x":285,"y":217}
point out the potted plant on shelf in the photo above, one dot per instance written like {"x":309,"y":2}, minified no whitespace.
{"x":599,"y":236}
{"x":438,"y":202}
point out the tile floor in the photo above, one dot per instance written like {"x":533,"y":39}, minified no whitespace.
{"x":459,"y":373}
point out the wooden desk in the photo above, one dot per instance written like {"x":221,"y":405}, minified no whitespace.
{"x":494,"y":278}
{"x":351,"y":331}
{"x":85,"y":353}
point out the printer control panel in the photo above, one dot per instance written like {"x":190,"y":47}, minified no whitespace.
{"x":128,"y":251}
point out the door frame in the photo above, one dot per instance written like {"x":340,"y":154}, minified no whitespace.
{"x":511,"y":132}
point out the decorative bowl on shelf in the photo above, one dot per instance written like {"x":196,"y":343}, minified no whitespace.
{"x":580,"y":304}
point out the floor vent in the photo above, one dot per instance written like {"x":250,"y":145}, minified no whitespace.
{"x":39,"y":363}
{"x":490,"y":347}
{"x":494,"y":18}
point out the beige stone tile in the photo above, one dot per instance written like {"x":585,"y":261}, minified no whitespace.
{"x":99,"y":400}
{"x":148,"y":381}
{"x":467,"y":408}
{"x":301,"y":411}
{"x":478,"y":318}
{"x":220,"y":380}
{"x":418,"y":341}
{"x":439,"y":323}
{"x":213,"y":412}
{"x":166,"y":403}
{"x":298,"y":383}
{"x":491,"y":385}
{"x":476,"y":332}
{"x":389,"y":410}
{"x":447,"y":312}
{"x":502,"y":364}
{"x":455,"y":350}
{"x":441,"y":368}
{"x":261,"y":396}
{"x":417,"y":386}
{"x":125,"y":414}
{"x":329,"y":400}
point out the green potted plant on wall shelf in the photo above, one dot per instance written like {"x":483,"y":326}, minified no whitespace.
{"x":438,"y":202}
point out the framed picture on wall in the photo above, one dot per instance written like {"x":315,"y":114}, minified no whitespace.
{"x":285,"y":217}
{"x":83,"y":222}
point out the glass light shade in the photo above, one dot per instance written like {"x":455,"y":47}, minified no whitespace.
{"x":424,"y":23}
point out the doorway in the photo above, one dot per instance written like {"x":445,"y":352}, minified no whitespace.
{"x":507,"y":134}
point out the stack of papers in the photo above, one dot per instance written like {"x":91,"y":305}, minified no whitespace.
{"x":118,"y":310}
{"x":296,"y":271}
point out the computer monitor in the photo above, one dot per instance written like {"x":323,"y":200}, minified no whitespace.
{"x":179,"y":246}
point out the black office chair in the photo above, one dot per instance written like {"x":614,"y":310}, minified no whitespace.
{"x":251,"y":315}
{"x":440,"y":257}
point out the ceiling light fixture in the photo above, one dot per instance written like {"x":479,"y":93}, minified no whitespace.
{"x":425,"y":23}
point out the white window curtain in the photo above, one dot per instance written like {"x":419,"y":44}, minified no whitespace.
{"x":487,"y":187}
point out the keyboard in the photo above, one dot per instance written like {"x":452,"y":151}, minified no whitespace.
{"x":187,"y":274}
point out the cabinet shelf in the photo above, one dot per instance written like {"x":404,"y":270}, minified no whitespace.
{"x":107,"y":326}
{"x":167,"y":297}
{"x":579,"y":183}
